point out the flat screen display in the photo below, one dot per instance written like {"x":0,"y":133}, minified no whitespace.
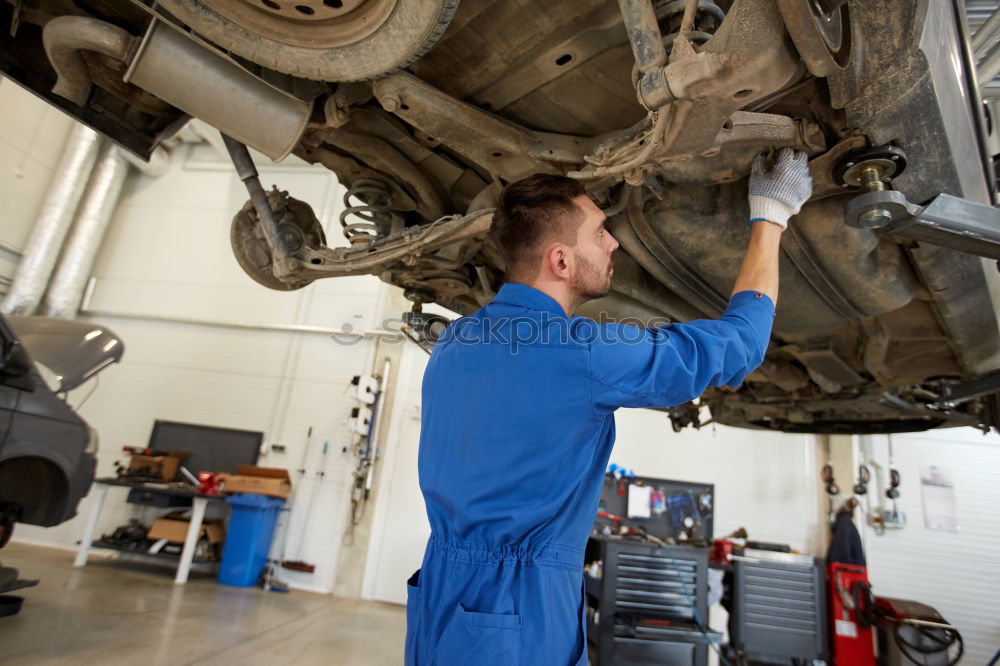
{"x":209,"y":449}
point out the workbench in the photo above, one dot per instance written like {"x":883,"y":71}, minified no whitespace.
{"x":199,"y":503}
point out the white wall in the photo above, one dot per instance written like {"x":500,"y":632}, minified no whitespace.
{"x":32,"y":134}
{"x":758,"y":476}
{"x":167,"y":253}
{"x":955,"y":572}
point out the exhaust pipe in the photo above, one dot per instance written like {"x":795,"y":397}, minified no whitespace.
{"x":184,"y":73}
{"x":65,"y":36}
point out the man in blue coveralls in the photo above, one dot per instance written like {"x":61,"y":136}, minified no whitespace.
{"x":518,"y":418}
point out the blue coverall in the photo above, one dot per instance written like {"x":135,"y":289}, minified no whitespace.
{"x":517,"y":428}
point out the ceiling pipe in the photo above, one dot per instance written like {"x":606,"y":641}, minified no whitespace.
{"x":70,"y":279}
{"x":39,"y":258}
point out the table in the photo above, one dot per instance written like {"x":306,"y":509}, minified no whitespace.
{"x":199,"y":503}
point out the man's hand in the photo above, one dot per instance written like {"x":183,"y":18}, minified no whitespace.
{"x":778,"y":194}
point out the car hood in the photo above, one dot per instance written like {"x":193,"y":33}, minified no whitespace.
{"x":73,"y":350}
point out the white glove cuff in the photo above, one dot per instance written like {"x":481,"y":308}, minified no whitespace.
{"x":765,"y":208}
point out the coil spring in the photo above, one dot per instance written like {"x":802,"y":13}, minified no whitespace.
{"x":669,"y":12}
{"x":373,"y":216}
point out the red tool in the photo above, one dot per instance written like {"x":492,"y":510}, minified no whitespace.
{"x":208,"y":483}
{"x":610,"y":516}
{"x":852,"y":610}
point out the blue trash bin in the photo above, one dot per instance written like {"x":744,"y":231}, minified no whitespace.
{"x":248,"y":540}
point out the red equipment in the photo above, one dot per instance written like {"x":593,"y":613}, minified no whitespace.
{"x":852,"y":614}
{"x":209,"y":483}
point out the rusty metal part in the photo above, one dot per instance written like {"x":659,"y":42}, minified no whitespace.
{"x":821,"y":30}
{"x":644,"y":34}
{"x":298,"y":228}
{"x":66,"y":36}
{"x":688,"y":21}
{"x":749,"y":46}
{"x":410,"y":250}
{"x":381,"y":155}
{"x":690,"y":99}
{"x":768,"y":129}
{"x":406,"y":247}
{"x":349,"y":170}
{"x":640,"y":147}
{"x":373,"y":217}
{"x":823,"y":167}
{"x":500,"y":146}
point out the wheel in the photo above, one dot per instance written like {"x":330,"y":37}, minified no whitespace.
{"x":326,"y":40}
{"x":297,"y":224}
{"x":821,"y":31}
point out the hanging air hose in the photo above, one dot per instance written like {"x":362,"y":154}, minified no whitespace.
{"x":864,"y":604}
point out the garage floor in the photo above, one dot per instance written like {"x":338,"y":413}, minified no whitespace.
{"x":112,"y":613}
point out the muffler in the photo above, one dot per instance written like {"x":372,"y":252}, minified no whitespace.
{"x":176,"y":68}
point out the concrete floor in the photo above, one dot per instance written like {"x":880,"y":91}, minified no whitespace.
{"x":126,"y":612}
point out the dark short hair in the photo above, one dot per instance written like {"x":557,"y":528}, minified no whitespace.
{"x":531,"y":212}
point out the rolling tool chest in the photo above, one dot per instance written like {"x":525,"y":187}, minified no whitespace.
{"x":649,"y":604}
{"x":642,"y":609}
{"x":778,"y":612}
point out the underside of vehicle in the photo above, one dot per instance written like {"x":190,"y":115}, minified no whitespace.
{"x":425,"y":109}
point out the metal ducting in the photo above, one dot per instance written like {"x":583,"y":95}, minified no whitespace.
{"x":42,"y":250}
{"x":70,"y":279}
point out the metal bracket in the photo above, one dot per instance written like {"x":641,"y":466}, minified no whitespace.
{"x":977,"y":388}
{"x":947,"y":221}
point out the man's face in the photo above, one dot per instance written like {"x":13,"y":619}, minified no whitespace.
{"x":592,"y":253}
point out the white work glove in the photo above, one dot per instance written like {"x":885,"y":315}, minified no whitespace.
{"x":778,"y":194}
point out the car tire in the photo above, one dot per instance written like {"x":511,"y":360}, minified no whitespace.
{"x":333,"y":49}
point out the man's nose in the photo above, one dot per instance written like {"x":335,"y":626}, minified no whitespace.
{"x":614,"y":244}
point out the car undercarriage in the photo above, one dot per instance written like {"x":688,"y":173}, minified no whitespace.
{"x":424,"y":110}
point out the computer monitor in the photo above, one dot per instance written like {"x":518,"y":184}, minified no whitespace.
{"x":209,"y":449}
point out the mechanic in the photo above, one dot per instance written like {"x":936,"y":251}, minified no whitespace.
{"x":518,"y":418}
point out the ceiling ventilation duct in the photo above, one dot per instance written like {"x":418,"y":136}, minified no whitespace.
{"x":47,"y":236}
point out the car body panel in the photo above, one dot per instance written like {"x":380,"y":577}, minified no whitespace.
{"x":46,"y":459}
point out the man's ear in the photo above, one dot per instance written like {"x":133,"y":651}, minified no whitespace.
{"x":559,"y":260}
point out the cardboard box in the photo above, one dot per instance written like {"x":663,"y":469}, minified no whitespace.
{"x":174,"y":528}
{"x":162,"y":467}
{"x":271,"y":481}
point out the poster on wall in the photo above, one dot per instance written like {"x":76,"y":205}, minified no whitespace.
{"x":938,"y":493}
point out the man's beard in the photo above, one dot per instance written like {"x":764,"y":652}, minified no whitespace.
{"x":591,"y":282}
